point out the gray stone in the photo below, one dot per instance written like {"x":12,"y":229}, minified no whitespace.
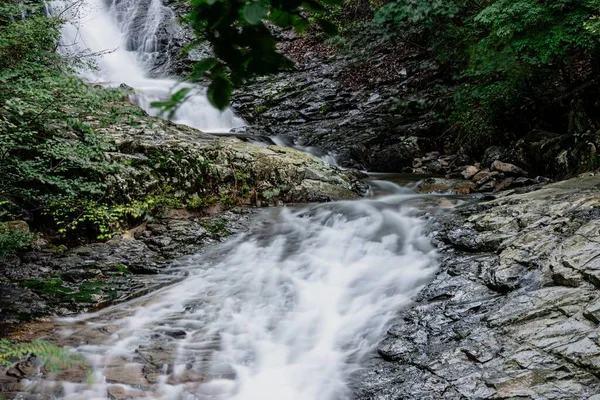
{"x":470,"y":172}
{"x":514,"y":311}
{"x":507,"y":168}
{"x":492,"y":154}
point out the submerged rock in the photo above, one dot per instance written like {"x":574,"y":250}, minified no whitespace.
{"x":513,"y":311}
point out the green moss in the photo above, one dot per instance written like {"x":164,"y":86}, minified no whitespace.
{"x":55,"y":288}
{"x":261,"y":109}
{"x":217,"y":229}
{"x":122,"y":268}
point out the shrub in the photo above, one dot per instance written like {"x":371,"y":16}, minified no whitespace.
{"x":50,"y":155}
{"x":11,"y":242}
{"x":513,"y":65}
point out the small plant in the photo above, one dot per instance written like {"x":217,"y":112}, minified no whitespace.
{"x":217,"y":229}
{"x":13,"y":241}
{"x":53,"y":358}
{"x":122,"y":268}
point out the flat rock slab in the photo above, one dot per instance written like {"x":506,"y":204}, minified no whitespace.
{"x":514,"y":311}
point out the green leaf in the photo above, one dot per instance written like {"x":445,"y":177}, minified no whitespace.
{"x":280,"y":18}
{"x":219,"y":92}
{"x":254,"y":12}
{"x":201,"y":67}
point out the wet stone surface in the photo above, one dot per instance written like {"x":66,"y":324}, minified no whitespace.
{"x":64,"y":282}
{"x":514,"y":309}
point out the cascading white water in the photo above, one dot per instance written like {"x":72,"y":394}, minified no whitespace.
{"x":121,"y":37}
{"x":284,"y":312}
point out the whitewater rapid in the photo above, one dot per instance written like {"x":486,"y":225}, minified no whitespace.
{"x":121,"y":39}
{"x":284,"y":312}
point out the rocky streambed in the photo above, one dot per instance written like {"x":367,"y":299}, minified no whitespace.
{"x":513,"y":311}
{"x":213,"y":186}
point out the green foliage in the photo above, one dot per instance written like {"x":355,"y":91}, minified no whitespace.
{"x":505,"y":60}
{"x":242,"y":44}
{"x":13,"y":241}
{"x":217,"y":229}
{"x":122,"y":268}
{"x":107,"y":219}
{"x":54,"y":358}
{"x":53,"y":164}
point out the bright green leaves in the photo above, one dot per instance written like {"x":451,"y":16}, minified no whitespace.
{"x":539,"y":33}
{"x":50,"y":152}
{"x":243,"y":46}
{"x":54,"y":358}
{"x":417,"y":11}
{"x":169,"y":106}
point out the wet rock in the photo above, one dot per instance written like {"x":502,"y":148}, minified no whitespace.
{"x":504,"y":185}
{"x":592,"y":312}
{"x":493,"y":153}
{"x":197,"y":165}
{"x":20,"y":304}
{"x":557,"y":155}
{"x":47,"y":282}
{"x":14,"y":226}
{"x":483,"y":174}
{"x":487,"y":184}
{"x":319,"y":105}
{"x":507,"y":168}
{"x":448,"y":186}
{"x":130,"y":375}
{"x":116,"y":392}
{"x":175,"y":333}
{"x":27,"y":369}
{"x":513,"y":312}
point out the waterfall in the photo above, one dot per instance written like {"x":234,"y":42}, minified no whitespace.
{"x":125,"y":41}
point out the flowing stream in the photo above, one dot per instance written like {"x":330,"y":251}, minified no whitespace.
{"x":122,"y":37}
{"x":283,"y":312}
{"x":124,"y":42}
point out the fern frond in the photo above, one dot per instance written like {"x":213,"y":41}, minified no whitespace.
{"x":54,"y":358}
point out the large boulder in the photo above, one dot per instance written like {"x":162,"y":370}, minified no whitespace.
{"x":185,"y":164}
{"x":557,"y":156}
{"x":330,"y":103}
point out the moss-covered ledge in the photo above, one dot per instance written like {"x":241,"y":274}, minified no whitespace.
{"x":200,"y":170}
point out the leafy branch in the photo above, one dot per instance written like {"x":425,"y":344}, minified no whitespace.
{"x":242,"y":42}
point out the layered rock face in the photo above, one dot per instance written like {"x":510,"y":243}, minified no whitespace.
{"x":351,"y":110}
{"x":514,"y":311}
{"x":189,"y":162}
